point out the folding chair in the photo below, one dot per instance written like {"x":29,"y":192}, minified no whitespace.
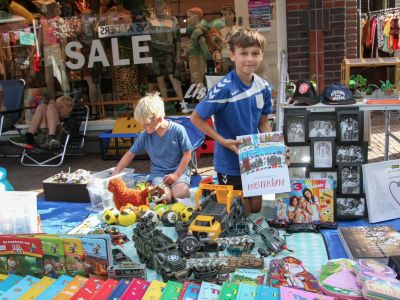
{"x":72,"y":142}
{"x":13,"y":101}
{"x":196,"y":138}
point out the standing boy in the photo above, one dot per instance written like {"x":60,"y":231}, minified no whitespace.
{"x":240,"y":103}
{"x":167,"y":145}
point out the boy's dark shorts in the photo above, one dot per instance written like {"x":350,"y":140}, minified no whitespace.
{"x":236,"y":181}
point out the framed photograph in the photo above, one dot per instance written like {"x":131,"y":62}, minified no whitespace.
{"x":295,"y":129}
{"x":329,"y":174}
{"x":300,"y":155}
{"x":323,"y":153}
{"x":322,"y":125}
{"x":298,"y":172}
{"x":350,"y":126}
{"x":354,"y":153}
{"x":350,"y":207}
{"x":349,"y":180}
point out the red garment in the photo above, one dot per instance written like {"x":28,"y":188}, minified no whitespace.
{"x":374,"y":22}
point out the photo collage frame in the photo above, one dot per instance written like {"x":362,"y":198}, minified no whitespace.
{"x":329,"y":145}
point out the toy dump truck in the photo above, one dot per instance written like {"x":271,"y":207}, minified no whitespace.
{"x":216,"y":215}
{"x":158,"y":251}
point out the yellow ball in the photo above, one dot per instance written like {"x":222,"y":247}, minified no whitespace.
{"x":127,"y":217}
{"x":186,"y":214}
{"x":161,"y":209}
{"x":177,"y":207}
{"x":141,"y":209}
{"x":110,"y":216}
{"x":128,"y":205}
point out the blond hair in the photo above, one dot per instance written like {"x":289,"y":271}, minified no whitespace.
{"x":149,"y":108}
{"x":246,"y":37}
{"x":67,"y":100}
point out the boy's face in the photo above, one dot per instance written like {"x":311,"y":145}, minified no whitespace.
{"x":151,"y":125}
{"x":63,"y":109}
{"x":247,"y":60}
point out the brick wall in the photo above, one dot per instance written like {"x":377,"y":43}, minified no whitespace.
{"x":320,"y":34}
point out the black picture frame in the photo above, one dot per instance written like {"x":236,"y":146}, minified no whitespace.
{"x":350,"y":127}
{"x":295,"y":127}
{"x":322,"y":125}
{"x":298,"y":171}
{"x":350,"y":179}
{"x":324,"y":174}
{"x":323,"y":153}
{"x":354,"y":153}
{"x":350,"y":207}
{"x":300,"y":155}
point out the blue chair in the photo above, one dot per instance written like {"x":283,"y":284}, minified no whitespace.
{"x":195,"y":135}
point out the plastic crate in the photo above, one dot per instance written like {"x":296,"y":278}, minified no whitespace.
{"x":115,"y":145}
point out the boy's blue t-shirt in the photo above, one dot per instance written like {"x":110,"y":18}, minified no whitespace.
{"x":165,"y":152}
{"x":237,"y":110}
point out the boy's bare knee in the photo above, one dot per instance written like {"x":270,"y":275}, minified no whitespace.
{"x":180,"y":191}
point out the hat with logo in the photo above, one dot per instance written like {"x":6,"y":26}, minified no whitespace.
{"x":305,"y":93}
{"x":337,"y":94}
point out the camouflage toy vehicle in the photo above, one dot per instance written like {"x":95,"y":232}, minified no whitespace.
{"x":158,"y":251}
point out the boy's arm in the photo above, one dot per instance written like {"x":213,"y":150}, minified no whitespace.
{"x":208,"y":130}
{"x":124,"y":162}
{"x":263,"y":124}
{"x":172,"y":178}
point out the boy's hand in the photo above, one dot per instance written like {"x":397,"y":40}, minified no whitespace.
{"x":231,"y":144}
{"x":171,"y":178}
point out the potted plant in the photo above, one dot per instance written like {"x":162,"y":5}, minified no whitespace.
{"x":386,"y":87}
{"x":358,"y":85}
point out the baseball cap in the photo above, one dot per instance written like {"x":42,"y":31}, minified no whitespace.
{"x":305,"y":93}
{"x":337,"y":94}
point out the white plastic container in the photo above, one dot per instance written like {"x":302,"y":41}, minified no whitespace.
{"x":18,"y":213}
{"x":99,"y":195}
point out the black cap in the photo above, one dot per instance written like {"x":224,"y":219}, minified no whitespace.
{"x":337,"y":94}
{"x":305,"y":93}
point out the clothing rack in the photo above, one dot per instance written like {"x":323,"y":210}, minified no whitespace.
{"x":387,"y":10}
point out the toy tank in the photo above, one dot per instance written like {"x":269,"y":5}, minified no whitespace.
{"x":158,"y":251}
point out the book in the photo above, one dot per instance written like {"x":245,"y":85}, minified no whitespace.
{"x":105,"y":290}
{"x":53,"y":255}
{"x":172,"y":290}
{"x":119,"y":290}
{"x":96,"y":258}
{"x":249,"y":276}
{"x":38,"y":288}
{"x":209,"y":291}
{"x":375,"y":242}
{"x":155,"y":290}
{"x":89,"y":289}
{"x":262,"y":163}
{"x":55,"y":288}
{"x":381,"y":289}
{"x":74,"y":256}
{"x":8,"y":283}
{"x":268,"y":292}
{"x":136,"y":289}
{"x":228,"y":291}
{"x":288,"y":293}
{"x":20,"y":288}
{"x":382,"y":190}
{"x":190,"y":291}
{"x":247,"y":291}
{"x":2,"y":277}
{"x":71,"y":288}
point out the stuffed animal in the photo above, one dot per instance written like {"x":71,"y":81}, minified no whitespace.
{"x":123,"y":195}
{"x":5,"y":185}
{"x":157,"y":194}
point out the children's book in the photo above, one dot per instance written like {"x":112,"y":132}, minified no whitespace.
{"x":190,"y":291}
{"x":247,"y":291}
{"x":228,"y":291}
{"x":2,"y":277}
{"x":209,"y":291}
{"x":38,"y":288}
{"x":119,"y":290}
{"x":8,"y":283}
{"x":155,"y":290}
{"x":249,"y":276}
{"x":71,"y":288}
{"x":105,"y":290}
{"x":60,"y":283}
{"x":53,"y":256}
{"x":21,"y":255}
{"x":172,"y":290}
{"x":89,"y":289}
{"x":309,"y":201}
{"x":375,"y":242}
{"x":268,"y":292}
{"x":96,"y":256}
{"x":136,"y":289}
{"x":295,"y":294}
{"x":20,"y":288}
{"x":74,"y":256}
{"x":263,"y":165}
{"x":381,"y":289}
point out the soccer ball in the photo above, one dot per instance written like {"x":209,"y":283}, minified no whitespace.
{"x":161,"y":209}
{"x":127,"y":217}
{"x":110,"y":216}
{"x":169,"y":218}
{"x":141,"y":209}
{"x":152,"y":215}
{"x":177,"y":207}
{"x":128,"y":205}
{"x":186,"y":214}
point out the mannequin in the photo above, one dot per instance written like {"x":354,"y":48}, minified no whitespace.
{"x":165,"y":48}
{"x":230,"y":18}
{"x":198,"y":52}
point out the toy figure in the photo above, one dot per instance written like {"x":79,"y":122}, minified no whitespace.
{"x":123,"y":195}
{"x":5,"y":185}
{"x":229,"y":15}
{"x":12,"y":265}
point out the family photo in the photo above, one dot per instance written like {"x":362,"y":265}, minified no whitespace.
{"x":295,"y":130}
{"x":349,"y":129}
{"x":349,"y":154}
{"x":350,"y":179}
{"x":322,"y":128}
{"x":351,"y":207}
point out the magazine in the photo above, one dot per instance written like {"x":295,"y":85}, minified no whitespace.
{"x":262,"y":164}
